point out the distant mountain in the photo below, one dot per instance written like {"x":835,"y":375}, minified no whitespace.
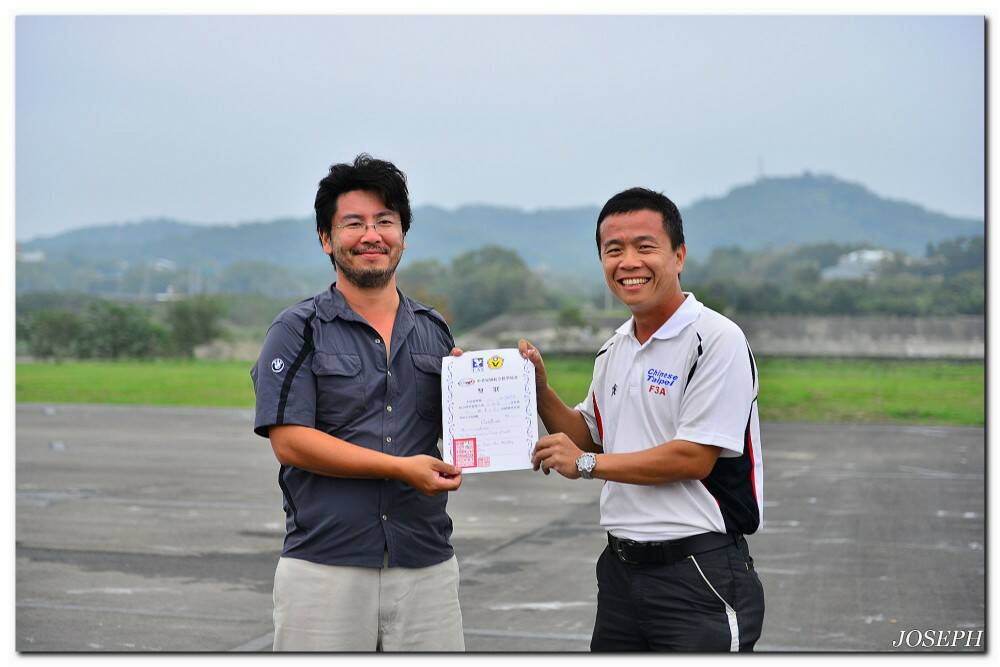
{"x":283,"y":242}
{"x":812,"y":208}
{"x":768,"y":212}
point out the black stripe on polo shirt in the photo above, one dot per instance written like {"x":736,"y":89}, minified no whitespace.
{"x":285,"y":492}
{"x":731,"y":483}
{"x":604,"y":350}
{"x":753,"y":367}
{"x":695,"y":365}
{"x":307,"y":346}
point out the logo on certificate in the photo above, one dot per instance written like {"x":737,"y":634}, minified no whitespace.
{"x":463,"y":452}
{"x":477,"y":363}
{"x":496,"y":361}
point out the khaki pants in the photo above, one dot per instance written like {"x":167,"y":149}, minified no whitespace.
{"x":337,"y":608}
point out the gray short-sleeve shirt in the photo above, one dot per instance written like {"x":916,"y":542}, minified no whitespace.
{"x":324,"y":367}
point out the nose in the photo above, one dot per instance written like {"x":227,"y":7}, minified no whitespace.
{"x":630,"y":259}
{"x":370,"y":235}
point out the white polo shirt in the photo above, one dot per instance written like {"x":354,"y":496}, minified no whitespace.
{"x":694,"y":379}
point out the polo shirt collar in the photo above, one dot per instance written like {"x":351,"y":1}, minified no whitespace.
{"x":688,"y":313}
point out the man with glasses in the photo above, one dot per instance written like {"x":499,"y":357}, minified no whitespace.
{"x":348,"y":391}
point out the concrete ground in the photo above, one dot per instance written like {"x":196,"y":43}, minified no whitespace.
{"x":158,"y":529}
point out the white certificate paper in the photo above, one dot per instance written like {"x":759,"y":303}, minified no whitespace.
{"x":488,"y":410}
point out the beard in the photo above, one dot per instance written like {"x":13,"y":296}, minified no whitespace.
{"x":373,"y":278}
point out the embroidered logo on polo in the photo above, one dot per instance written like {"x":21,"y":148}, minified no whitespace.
{"x":659,"y":381}
{"x":277,"y":365}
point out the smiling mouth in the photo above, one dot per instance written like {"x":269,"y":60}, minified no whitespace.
{"x":370,"y":250}
{"x":633,"y":282}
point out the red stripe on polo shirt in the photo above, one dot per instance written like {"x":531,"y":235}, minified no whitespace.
{"x":597,"y":412}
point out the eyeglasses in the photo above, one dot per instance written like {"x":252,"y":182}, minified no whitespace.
{"x":382,"y":227}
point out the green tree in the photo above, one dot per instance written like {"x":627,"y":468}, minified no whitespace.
{"x":53,"y":333}
{"x":962,"y":294}
{"x":256,"y":277}
{"x":114,"y":331}
{"x":570,"y":315}
{"x":428,"y":281}
{"x":959,"y":255}
{"x":490,"y":281}
{"x":724,"y":264}
{"x":192,"y":322}
{"x":427,"y":274}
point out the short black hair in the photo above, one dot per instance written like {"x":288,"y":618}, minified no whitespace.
{"x":369,"y":174}
{"x":641,"y":199}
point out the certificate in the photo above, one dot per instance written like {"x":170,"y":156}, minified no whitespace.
{"x":488,"y":411}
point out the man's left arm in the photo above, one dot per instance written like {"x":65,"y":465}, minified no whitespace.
{"x":712,"y":421}
{"x":670,"y":462}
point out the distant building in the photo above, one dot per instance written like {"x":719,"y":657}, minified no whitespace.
{"x":163,"y":264}
{"x":857,"y":265}
{"x":30,"y":256}
{"x":170,"y":294}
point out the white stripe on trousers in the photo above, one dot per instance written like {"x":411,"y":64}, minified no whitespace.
{"x":734,"y":628}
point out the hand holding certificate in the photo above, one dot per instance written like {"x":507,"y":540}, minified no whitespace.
{"x":489,"y":413}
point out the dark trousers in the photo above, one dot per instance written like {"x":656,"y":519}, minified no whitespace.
{"x":712,"y":601}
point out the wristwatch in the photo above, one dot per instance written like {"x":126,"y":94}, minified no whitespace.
{"x":585,"y":465}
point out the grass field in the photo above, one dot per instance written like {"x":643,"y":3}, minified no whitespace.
{"x":842,"y":390}
{"x":915,"y":392}
{"x":204,"y":383}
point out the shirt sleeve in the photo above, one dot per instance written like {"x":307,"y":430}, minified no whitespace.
{"x":283,"y":381}
{"x":715,"y":408}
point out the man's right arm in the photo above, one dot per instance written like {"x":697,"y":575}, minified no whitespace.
{"x":313,"y":450}
{"x":285,"y":391}
{"x":556,"y":415}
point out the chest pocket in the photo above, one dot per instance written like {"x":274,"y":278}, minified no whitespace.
{"x":427,"y":378}
{"x":340,"y":394}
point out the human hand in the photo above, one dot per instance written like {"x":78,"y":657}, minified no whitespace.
{"x":456,"y":352}
{"x":556,"y":452}
{"x":430,"y":475}
{"x":531,"y":353}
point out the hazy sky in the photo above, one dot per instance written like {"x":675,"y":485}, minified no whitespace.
{"x":229,"y":119}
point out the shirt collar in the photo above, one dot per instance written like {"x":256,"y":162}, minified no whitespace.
{"x":332,"y":304}
{"x":688,"y":312}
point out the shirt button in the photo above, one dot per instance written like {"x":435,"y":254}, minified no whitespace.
{"x":389,"y":373}
{"x":385,"y":518}
{"x":378,"y":341}
{"x":388,"y":408}
{"x":388,"y":438}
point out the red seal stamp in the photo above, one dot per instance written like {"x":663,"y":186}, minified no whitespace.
{"x":463,"y":452}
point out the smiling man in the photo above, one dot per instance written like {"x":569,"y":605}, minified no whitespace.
{"x":348,"y":387}
{"x":670,"y":423}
